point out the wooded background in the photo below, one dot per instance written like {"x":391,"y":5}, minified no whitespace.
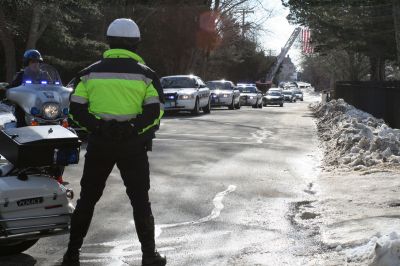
{"x":207,"y":38}
{"x":353,"y":39}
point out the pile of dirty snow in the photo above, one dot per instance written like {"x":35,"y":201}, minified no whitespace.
{"x":383,"y":251}
{"x":355,"y":139}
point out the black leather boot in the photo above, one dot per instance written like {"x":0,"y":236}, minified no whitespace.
{"x":145,"y":232}
{"x":154,"y":259}
{"x":71,"y":258}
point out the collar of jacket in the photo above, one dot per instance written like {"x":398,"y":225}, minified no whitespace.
{"x":122,"y":53}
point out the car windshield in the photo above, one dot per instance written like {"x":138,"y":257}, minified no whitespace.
{"x":287,"y":92}
{"x":215,"y":85}
{"x":178,"y":82}
{"x":249,"y":89}
{"x":274,"y":93}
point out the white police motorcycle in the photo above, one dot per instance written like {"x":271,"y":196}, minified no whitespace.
{"x":33,"y":204}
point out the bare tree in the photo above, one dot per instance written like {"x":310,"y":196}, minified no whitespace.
{"x":42,"y":14}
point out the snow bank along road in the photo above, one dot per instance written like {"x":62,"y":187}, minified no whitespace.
{"x":358,"y":204}
{"x":227,"y":189}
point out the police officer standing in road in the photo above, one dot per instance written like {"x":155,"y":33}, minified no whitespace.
{"x":119,"y":101}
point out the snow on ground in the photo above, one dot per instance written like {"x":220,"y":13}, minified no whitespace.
{"x":383,"y":251}
{"x":354,"y":211}
{"x":354,"y":139}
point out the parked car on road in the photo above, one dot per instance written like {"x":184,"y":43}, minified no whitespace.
{"x":250,"y":96}
{"x":186,"y":93}
{"x":224,"y":93}
{"x":273,"y":97}
{"x":289,"y":96}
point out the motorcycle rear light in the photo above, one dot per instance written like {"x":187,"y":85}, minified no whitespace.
{"x":35,"y":111}
{"x":34,"y":123}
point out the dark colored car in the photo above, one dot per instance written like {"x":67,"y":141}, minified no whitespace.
{"x":273,"y":97}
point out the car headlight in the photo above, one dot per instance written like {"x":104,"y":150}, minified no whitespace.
{"x":186,"y":97}
{"x":51,"y":110}
{"x":225,"y":95}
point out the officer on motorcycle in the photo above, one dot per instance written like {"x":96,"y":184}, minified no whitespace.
{"x":31,"y":62}
{"x":119,"y":100}
{"x":32,"y":59}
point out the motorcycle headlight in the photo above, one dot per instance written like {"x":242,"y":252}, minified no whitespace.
{"x":51,"y":111}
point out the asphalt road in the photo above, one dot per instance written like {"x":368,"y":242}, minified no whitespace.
{"x":225,"y":189}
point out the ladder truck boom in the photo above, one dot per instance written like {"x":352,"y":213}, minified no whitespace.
{"x":271,"y":74}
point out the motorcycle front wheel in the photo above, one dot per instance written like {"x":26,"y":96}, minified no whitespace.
{"x":16,"y":247}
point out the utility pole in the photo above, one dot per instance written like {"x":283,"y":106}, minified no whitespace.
{"x":244,"y":13}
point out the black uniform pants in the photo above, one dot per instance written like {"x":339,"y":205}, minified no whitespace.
{"x":131,"y":159}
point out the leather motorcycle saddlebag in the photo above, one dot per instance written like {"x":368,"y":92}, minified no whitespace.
{"x":36,"y":146}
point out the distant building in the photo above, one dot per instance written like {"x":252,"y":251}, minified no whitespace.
{"x":287,"y":70}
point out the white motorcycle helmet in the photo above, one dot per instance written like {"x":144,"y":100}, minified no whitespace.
{"x":123,"y":28}
{"x":123,"y":33}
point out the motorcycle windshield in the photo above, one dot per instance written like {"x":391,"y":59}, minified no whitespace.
{"x":41,"y":74}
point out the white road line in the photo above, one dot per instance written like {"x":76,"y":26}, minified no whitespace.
{"x":208,"y":141}
{"x":199,"y":135}
{"x":121,"y":249}
{"x":260,"y":135}
{"x":218,"y":206}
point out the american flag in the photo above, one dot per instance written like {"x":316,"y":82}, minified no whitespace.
{"x":306,"y":41}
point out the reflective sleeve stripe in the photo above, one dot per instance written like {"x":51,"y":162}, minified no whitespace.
{"x":119,"y":118}
{"x":156,"y":122}
{"x":162,"y":106}
{"x":150,"y":100}
{"x":79,"y":99}
{"x":123,"y":76}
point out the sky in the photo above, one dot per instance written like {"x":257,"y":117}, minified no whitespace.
{"x":279,"y":30}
